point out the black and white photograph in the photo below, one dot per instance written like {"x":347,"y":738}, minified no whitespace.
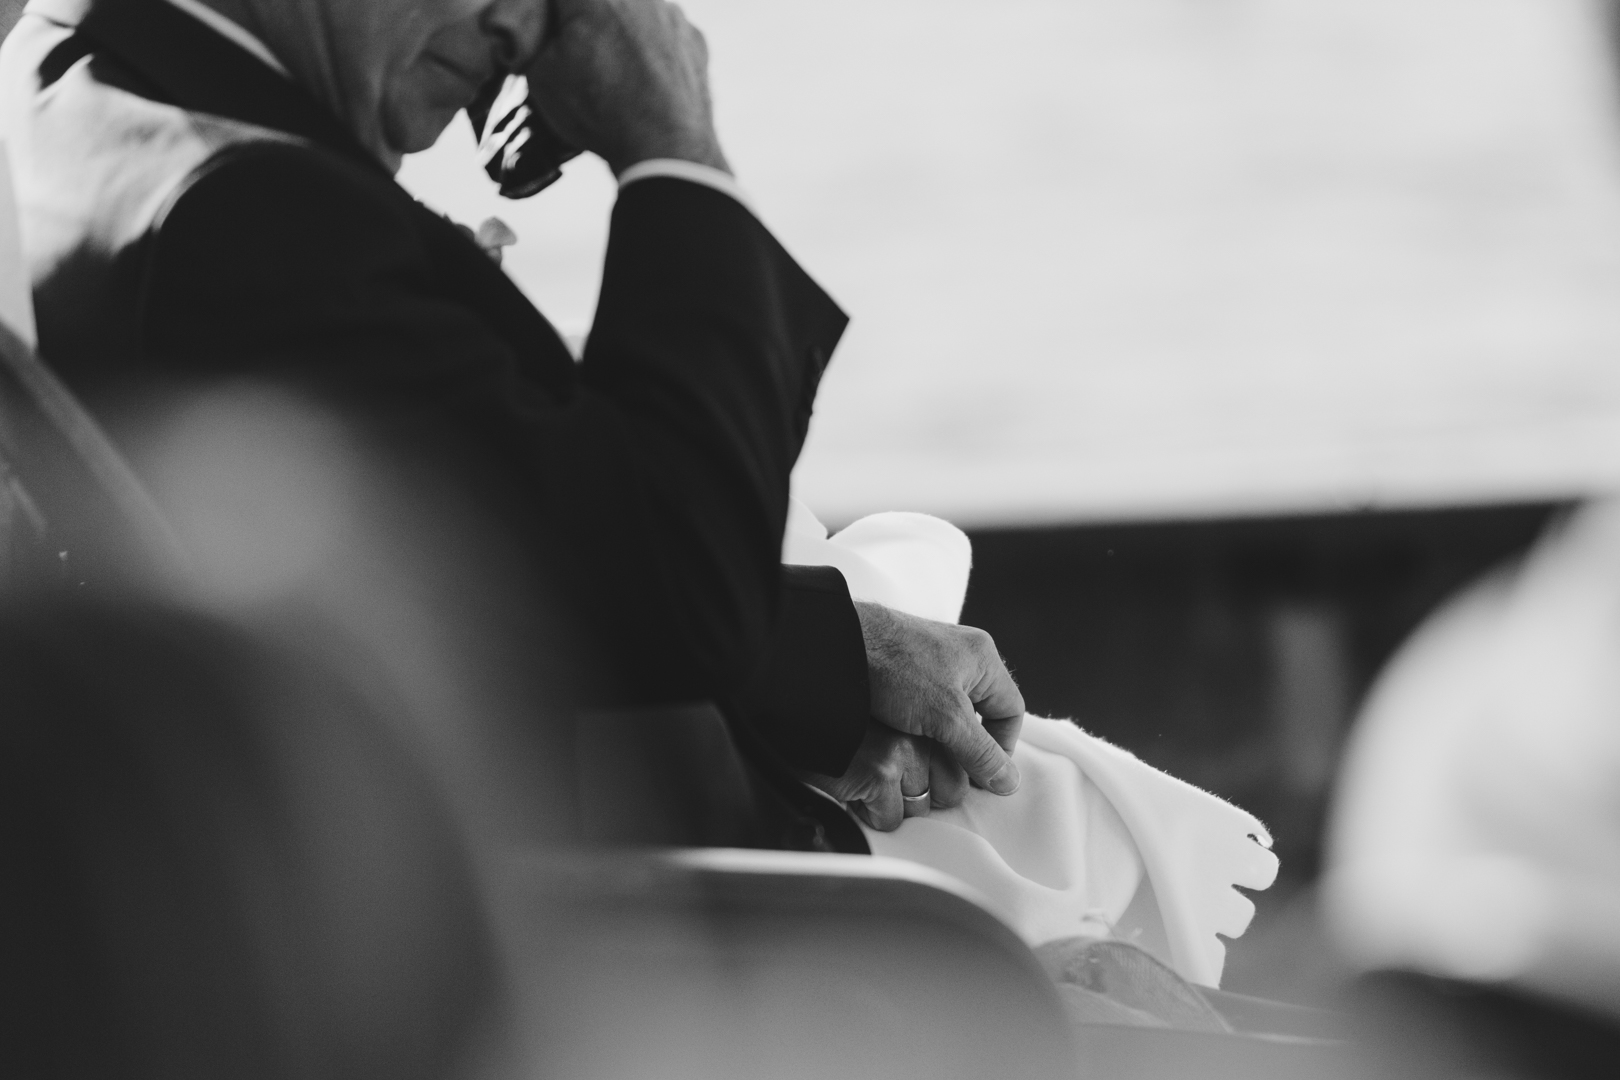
{"x":809,"y":539}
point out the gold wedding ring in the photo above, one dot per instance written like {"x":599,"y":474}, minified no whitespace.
{"x":915,"y":798}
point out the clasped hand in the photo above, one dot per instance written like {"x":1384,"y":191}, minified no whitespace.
{"x":945,"y":714}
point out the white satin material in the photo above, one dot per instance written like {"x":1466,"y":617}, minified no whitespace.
{"x":1095,"y":841}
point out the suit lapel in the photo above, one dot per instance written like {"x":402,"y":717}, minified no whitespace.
{"x":473,"y":278}
{"x":201,"y":71}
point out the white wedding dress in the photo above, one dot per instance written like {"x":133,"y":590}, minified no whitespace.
{"x":1095,"y":842}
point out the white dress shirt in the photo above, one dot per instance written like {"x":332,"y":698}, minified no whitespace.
{"x":681,"y":170}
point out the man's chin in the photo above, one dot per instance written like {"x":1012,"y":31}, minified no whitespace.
{"x":418,"y":130}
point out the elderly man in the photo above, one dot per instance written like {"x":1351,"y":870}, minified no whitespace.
{"x":206,"y":189}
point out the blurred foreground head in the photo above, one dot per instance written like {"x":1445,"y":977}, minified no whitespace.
{"x":218,"y":862}
{"x":1476,"y":841}
{"x":235,"y":797}
{"x":335,"y":536}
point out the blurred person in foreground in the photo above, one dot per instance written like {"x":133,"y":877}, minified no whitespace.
{"x":206,"y":192}
{"x":1473,"y":882}
{"x":219,"y":862}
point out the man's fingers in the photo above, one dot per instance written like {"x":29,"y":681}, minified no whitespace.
{"x":889,"y":766}
{"x":947,"y":781}
{"x":995,"y":695}
{"x":626,"y":81}
{"x":983,"y":758}
{"x":916,"y":778}
{"x":937,"y":679}
{"x":882,"y":809}
{"x":694,"y":39}
{"x":1005,"y":732}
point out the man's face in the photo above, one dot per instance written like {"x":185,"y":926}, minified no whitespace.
{"x":468,"y":43}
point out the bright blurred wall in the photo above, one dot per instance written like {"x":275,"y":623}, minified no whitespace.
{"x":1114,"y":259}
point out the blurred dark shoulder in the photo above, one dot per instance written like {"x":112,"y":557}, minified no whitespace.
{"x":102,"y":153}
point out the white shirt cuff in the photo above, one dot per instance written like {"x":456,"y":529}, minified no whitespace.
{"x":706,"y":175}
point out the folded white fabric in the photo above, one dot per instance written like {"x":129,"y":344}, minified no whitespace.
{"x":1054,"y":860}
{"x":1095,"y":841}
{"x":914,"y":563}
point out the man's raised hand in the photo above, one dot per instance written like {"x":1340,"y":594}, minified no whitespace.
{"x":628,"y":81}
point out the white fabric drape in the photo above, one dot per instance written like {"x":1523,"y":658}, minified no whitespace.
{"x":1095,"y":841}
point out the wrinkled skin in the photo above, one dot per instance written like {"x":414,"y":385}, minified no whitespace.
{"x":946,"y":713}
{"x":625,"y":79}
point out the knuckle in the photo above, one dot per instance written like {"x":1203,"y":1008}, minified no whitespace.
{"x":937,"y":719}
{"x":981,"y":643}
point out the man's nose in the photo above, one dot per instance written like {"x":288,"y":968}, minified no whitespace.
{"x":515,"y":29}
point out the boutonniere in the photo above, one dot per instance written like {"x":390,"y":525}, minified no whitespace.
{"x":494,"y":236}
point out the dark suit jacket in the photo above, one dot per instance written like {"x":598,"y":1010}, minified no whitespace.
{"x":189,"y":213}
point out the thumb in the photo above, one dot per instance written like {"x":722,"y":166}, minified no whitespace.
{"x":979,"y":753}
{"x":996,"y":697}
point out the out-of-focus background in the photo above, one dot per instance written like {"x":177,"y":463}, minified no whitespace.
{"x":1238,"y":332}
{"x":1144,"y":258}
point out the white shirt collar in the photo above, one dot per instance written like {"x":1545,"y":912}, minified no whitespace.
{"x":226,"y":28}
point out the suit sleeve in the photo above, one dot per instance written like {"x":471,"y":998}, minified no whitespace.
{"x":651,"y":480}
{"x":811,"y":701}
